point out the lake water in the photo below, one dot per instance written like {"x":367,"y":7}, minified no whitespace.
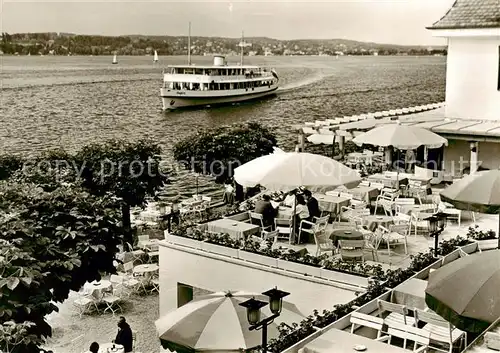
{"x":52,"y":101}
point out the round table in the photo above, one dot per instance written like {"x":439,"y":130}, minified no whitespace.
{"x":108,"y":348}
{"x":102,"y":285}
{"x":373,"y":221}
{"x":345,"y":234}
{"x":147,"y":270}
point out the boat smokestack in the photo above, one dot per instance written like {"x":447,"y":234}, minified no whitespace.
{"x":219,"y":60}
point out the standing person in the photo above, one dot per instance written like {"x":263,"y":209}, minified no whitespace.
{"x":410,"y":160}
{"x":312,"y":205}
{"x":124,"y":335}
{"x":228,"y":197}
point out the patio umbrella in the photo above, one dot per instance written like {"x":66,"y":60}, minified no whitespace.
{"x":287,"y":171}
{"x":217,"y":322}
{"x":401,"y":137}
{"x":465,"y":291}
{"x":479,"y":192}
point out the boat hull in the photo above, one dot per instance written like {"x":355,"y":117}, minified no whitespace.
{"x":174,"y":101}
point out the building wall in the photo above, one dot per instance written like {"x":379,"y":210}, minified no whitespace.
{"x":472,"y":78}
{"x":177,"y":266}
{"x":457,"y":156}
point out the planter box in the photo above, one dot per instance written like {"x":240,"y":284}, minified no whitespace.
{"x":489,"y":244}
{"x":295,"y":348}
{"x":350,"y":279}
{"x":300,"y":269}
{"x":258,"y":259}
{"x":219,"y":249}
{"x":184,"y":241}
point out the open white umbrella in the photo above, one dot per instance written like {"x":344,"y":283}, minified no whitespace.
{"x":401,"y":137}
{"x":287,"y":171}
{"x":479,"y":192}
{"x":217,"y":322}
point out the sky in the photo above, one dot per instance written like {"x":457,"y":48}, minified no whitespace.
{"x":380,"y":21}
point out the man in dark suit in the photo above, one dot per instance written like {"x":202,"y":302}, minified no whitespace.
{"x":312,"y":205}
{"x":124,"y":335}
{"x":266,"y":209}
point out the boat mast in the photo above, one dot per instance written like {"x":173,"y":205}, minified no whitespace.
{"x":242,"y":45}
{"x":189,"y":44}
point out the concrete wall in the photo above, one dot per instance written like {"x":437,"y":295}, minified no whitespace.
{"x":457,"y":156}
{"x":472,"y":78}
{"x":215,"y":274}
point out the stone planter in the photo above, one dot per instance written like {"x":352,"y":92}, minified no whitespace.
{"x":258,"y":259}
{"x":488,"y":244}
{"x":219,"y":249}
{"x":298,"y":268}
{"x":184,"y":241}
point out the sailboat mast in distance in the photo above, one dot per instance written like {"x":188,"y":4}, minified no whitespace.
{"x":189,"y":44}
{"x":243,"y":45}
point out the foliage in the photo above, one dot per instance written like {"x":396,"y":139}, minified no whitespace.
{"x":447,"y":246}
{"x":51,"y":242}
{"x":476,"y":234}
{"x":219,"y":151}
{"x":12,"y":335}
{"x":130,"y":171}
{"x":9,"y":164}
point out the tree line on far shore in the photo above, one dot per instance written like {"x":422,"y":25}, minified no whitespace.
{"x":72,"y":44}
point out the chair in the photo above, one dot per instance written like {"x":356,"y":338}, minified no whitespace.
{"x":84,"y":303}
{"x":136,"y":254}
{"x":271,"y":236}
{"x":451,"y":212}
{"x":398,"y":314}
{"x":402,"y":204}
{"x":258,"y":219}
{"x":416,"y":190}
{"x":372,"y":243}
{"x":408,"y":333}
{"x":284,"y":226}
{"x":142,"y":241}
{"x":202,"y":208}
{"x":323,"y":243}
{"x":318,"y":225}
{"x":155,"y":283}
{"x":440,"y":330}
{"x":364,"y":320}
{"x":396,"y":234}
{"x":352,"y":250}
{"x":115,"y":299}
{"x":134,"y":340}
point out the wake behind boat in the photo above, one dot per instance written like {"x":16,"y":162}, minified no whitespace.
{"x":192,"y":85}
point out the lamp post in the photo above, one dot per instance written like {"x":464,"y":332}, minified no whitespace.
{"x":436,"y":226}
{"x":253,"y":307}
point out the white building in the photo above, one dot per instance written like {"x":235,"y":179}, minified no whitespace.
{"x":471,"y":117}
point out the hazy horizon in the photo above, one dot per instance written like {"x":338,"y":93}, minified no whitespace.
{"x":399,"y":22}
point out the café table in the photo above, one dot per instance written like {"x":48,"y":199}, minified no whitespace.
{"x":236,"y":229}
{"x":391,"y":181}
{"x":111,"y":348}
{"x":146,"y":270}
{"x":101,"y":286}
{"x":411,"y":293}
{"x":339,"y":341}
{"x":364,"y":193}
{"x":373,"y":221}
{"x":345,"y":234}
{"x":331,"y":204}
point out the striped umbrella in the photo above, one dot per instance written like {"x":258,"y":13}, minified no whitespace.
{"x":217,"y":322}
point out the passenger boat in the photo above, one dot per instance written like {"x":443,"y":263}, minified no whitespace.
{"x":205,"y":85}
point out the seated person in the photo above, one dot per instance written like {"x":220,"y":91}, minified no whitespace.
{"x":228,"y":197}
{"x":312,"y":205}
{"x":266,"y":209}
{"x":289,"y":200}
{"x":301,"y":213}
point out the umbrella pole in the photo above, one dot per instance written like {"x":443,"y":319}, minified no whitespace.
{"x":293,"y":220}
{"x":499,"y":230}
{"x":333,"y":145}
{"x":397,"y":170}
